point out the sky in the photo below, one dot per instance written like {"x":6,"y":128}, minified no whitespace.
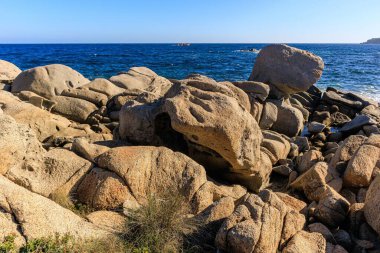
{"x":193,"y":21}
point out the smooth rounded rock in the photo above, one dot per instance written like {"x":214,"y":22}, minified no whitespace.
{"x":8,"y":71}
{"x":48,"y":81}
{"x":372,"y":205}
{"x":289,"y":69}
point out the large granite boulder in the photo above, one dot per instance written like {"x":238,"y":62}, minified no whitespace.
{"x":108,"y":220}
{"x":211,"y":191}
{"x":198,"y":111}
{"x":332,"y":208}
{"x":308,"y":159}
{"x":305,"y":242}
{"x":288,"y":69}
{"x":19,"y":146}
{"x":90,"y":151}
{"x":372,"y":205}
{"x":48,"y":81}
{"x":58,"y":167}
{"x":38,"y":217}
{"x":268,"y":115}
{"x":322,"y":184}
{"x":191,"y":118}
{"x":27,"y":163}
{"x":275,"y":146}
{"x":347,"y":149}
{"x":43,"y":123}
{"x":255,"y":90}
{"x":99,"y":99}
{"x":73,"y":108}
{"x":362,"y":164}
{"x":103,"y":86}
{"x":315,"y":180}
{"x":289,"y":119}
{"x":137,"y":171}
{"x":128,"y":175}
{"x":373,"y":111}
{"x":8,"y":71}
{"x":9,"y":227}
{"x":139,"y":122}
{"x":103,"y":189}
{"x":135,"y":78}
{"x":142,"y":79}
{"x":262,"y":223}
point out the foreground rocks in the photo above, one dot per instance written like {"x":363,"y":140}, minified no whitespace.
{"x":268,"y":165}
{"x":43,"y":123}
{"x":263,"y":223}
{"x":40,"y":217}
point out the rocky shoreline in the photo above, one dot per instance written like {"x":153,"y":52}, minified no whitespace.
{"x":273,"y":163}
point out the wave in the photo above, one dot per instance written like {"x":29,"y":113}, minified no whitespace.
{"x":251,"y":50}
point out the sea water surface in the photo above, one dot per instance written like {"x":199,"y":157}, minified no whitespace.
{"x":351,"y":67}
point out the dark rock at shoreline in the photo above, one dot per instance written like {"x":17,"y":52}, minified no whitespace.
{"x":356,"y":124}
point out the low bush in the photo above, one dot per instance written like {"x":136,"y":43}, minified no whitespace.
{"x":162,"y":224}
{"x":68,"y":202}
{"x":63,"y":244}
{"x":8,"y":245}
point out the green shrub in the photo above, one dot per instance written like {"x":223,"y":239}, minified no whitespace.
{"x":8,"y":245}
{"x":68,"y":244}
{"x":57,"y":244}
{"x":161,"y":225}
{"x":68,"y":202}
{"x":63,"y":244}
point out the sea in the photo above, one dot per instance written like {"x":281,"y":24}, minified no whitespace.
{"x":348,"y":67}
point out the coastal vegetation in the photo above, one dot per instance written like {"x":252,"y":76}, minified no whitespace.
{"x":162,"y":224}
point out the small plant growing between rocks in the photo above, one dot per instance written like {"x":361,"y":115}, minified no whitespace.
{"x":58,"y":244}
{"x":62,"y":244}
{"x":162,"y":224}
{"x":8,"y":244}
{"x":70,"y":203}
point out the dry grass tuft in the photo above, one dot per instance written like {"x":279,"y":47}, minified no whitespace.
{"x":68,"y":202}
{"x":163,"y":224}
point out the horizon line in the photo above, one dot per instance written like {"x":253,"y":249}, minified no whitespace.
{"x":120,"y":43}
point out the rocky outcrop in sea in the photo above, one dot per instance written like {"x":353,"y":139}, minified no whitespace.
{"x":273,"y":163}
{"x":372,"y":41}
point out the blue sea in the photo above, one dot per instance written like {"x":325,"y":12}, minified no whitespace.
{"x":350,"y":67}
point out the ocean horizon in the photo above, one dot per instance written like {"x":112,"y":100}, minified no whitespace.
{"x":348,"y":66}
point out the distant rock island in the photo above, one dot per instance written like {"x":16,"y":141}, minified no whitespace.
{"x":372,"y":41}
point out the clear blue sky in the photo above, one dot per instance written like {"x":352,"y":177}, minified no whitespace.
{"x":129,"y":21}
